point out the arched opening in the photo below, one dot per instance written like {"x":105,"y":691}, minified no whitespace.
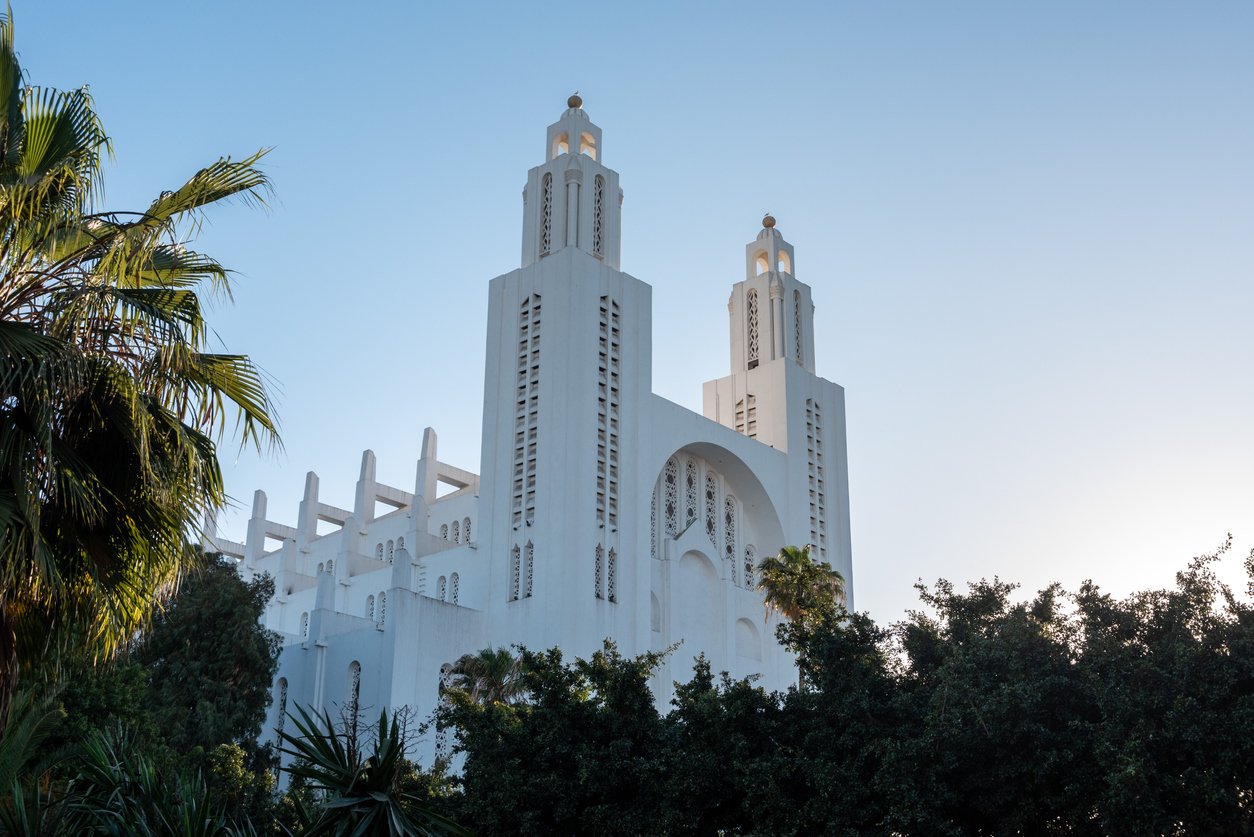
{"x":762,"y":262}
{"x":588,"y":145}
{"x":441,"y":588}
{"x":561,"y":145}
{"x":697,"y":611}
{"x":370,"y":608}
{"x":455,"y":584}
{"x":466,"y":530}
{"x":748,"y":641}
{"x":784,"y":264}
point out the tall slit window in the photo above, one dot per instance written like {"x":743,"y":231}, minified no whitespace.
{"x":546,"y":215}
{"x":751,"y":302}
{"x":670,"y":487}
{"x":611,"y":576}
{"x":528,"y":569}
{"x":599,"y":572}
{"x":598,"y":216}
{"x":354,"y":695}
{"x":796,"y":326}
{"x":711,"y":508}
{"x":514,"y":560}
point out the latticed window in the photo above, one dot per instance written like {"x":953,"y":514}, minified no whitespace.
{"x":546,"y":215}
{"x":611,"y":576}
{"x":598,"y":212}
{"x":441,"y":588}
{"x":653,"y":524}
{"x":304,"y":625}
{"x":455,"y":532}
{"x":599,"y":572}
{"x":751,"y":565}
{"x":331,"y":567}
{"x":711,"y":508}
{"x":281,"y":702}
{"x":751,"y":302}
{"x":391,"y":551}
{"x":691,"y":492}
{"x":378,"y":551}
{"x":354,"y":694}
{"x":383,"y":608}
{"x":529,"y":576}
{"x":796,"y":326}
{"x":670,"y":487}
{"x":729,"y":534}
{"x":400,"y":543}
{"x":370,"y":607}
{"x":466,"y":530}
{"x":514,"y":558}
{"x":444,"y":531}
{"x":454,"y":583}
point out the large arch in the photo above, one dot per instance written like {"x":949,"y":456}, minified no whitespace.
{"x":761,"y":520}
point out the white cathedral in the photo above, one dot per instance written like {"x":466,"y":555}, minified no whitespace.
{"x":602,"y":511}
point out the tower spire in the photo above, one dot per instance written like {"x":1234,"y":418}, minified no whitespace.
{"x":572,"y":199}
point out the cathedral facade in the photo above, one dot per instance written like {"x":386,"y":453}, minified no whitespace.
{"x":602,"y":510}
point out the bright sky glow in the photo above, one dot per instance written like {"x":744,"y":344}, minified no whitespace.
{"x":1029,"y":229}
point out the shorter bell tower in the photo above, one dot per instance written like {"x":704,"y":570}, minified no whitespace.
{"x":774,"y":395}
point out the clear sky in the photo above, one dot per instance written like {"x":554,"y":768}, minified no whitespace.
{"x":1029,"y":229}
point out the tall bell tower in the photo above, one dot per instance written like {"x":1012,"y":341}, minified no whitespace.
{"x":773,"y":394}
{"x":566,"y":387}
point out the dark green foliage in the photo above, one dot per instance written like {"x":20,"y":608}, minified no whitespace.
{"x":209,"y":664}
{"x":583,"y":755}
{"x":355,"y":793}
{"x":1068,"y":714}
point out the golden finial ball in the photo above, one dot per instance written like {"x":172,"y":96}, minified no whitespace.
{"x":768,"y":221}
{"x":574,"y":101}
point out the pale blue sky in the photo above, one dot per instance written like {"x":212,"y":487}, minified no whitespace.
{"x":1029,"y":229}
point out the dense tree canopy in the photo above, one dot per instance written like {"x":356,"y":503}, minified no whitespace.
{"x":1067,"y":713}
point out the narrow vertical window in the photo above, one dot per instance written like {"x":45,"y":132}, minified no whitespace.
{"x":599,"y":572}
{"x":529,"y":575}
{"x":441,"y":588}
{"x":598,"y":212}
{"x":711,"y":508}
{"x":383,"y":608}
{"x":455,"y":532}
{"x":513,"y":573}
{"x":796,"y":326}
{"x":391,"y":551}
{"x":670,"y":485}
{"x":729,"y":536}
{"x":611,"y":576}
{"x":331,"y":567}
{"x":546,"y":215}
{"x":378,"y":551}
{"x":751,"y":302}
{"x":281,"y":702}
{"x":304,"y":625}
{"x":354,"y":696}
{"x":751,"y":560}
{"x":444,"y":531}
{"x":653,"y":524}
{"x":455,"y":584}
{"x":691,"y":492}
{"x":466,"y":530}
{"x":370,"y":608}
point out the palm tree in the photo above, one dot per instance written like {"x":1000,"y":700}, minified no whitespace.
{"x":796,"y":586}
{"x":493,"y":675}
{"x":110,"y":402}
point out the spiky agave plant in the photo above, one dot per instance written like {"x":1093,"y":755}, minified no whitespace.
{"x":360,"y":793}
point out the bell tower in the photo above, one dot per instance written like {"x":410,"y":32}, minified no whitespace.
{"x":773,"y":394}
{"x":572,"y":199}
{"x":566,"y":388}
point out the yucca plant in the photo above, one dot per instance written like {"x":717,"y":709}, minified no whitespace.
{"x":358,"y":794}
{"x":111,"y":401}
